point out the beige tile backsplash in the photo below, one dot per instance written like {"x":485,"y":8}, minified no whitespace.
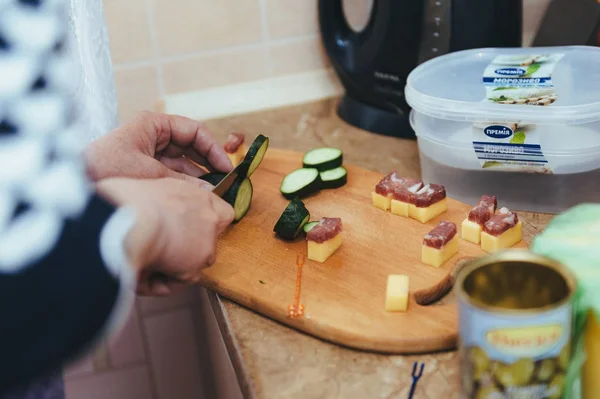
{"x":162,"y":47}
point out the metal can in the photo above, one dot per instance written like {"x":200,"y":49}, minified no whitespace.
{"x":515,"y":317}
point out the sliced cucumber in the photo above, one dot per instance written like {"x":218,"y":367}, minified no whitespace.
{"x":254,"y":156}
{"x":239,"y":195}
{"x":300,"y":183}
{"x":323,"y":158}
{"x":334,"y":178}
{"x":293,"y":219}
{"x":308,"y":226}
{"x":214,"y":177}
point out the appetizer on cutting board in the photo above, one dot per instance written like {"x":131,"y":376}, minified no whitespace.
{"x":440,"y":244}
{"x":324,"y":238}
{"x":472,"y":226}
{"x":396,"y":295}
{"x":501,"y":231}
{"x":430,"y":201}
{"x":382,"y":195}
{"x":409,"y":197}
{"x":321,"y":169}
{"x":494,"y":231}
{"x":405,"y":195}
{"x":234,"y":148}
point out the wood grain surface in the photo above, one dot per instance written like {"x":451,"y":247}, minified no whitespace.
{"x":343,"y":297}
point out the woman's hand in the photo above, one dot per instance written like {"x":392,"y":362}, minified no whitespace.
{"x":154,"y":146}
{"x":176,"y":229}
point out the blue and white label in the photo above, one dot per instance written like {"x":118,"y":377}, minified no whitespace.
{"x":498,"y":132}
{"x":509,"y":147}
{"x":511,"y":71}
{"x":516,"y":79}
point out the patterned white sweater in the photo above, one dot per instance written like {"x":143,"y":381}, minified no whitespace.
{"x":65,"y":281}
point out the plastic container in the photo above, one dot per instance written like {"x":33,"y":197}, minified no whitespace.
{"x":532,"y":157}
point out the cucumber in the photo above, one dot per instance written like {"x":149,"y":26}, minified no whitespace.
{"x":323,"y":158}
{"x":239,"y":195}
{"x":293,"y":219}
{"x":300,"y":183}
{"x":308,"y":226}
{"x":334,"y":178}
{"x":254,"y":156}
{"x":214,"y":177}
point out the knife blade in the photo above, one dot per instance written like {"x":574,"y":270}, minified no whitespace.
{"x":224,"y":185}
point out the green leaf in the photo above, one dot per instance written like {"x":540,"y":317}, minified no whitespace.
{"x":491,"y":164}
{"x":504,"y":88}
{"x":533,"y":68}
{"x":518,"y":138}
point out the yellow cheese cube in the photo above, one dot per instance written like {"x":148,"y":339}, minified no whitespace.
{"x":396,"y":296}
{"x":237,"y":156}
{"x":471,"y":231}
{"x":510,"y":237}
{"x":320,"y":252}
{"x":424,"y":215}
{"x":381,"y":201}
{"x":399,"y":208}
{"x":437,"y":257}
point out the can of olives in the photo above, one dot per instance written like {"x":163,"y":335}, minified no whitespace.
{"x":515,"y":318}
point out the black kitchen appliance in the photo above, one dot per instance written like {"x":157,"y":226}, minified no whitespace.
{"x":373,"y":64}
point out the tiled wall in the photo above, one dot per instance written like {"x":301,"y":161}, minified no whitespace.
{"x":161,"y":47}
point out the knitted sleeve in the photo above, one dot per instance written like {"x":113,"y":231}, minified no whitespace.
{"x":65,"y":280}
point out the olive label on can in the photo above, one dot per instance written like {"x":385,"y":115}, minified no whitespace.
{"x":514,"y":356}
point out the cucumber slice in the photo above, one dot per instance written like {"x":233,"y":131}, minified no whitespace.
{"x":323,"y":158}
{"x":308,"y":226}
{"x":214,"y":177}
{"x":300,"y":183}
{"x":254,"y":156}
{"x":239,"y":195}
{"x":293,"y":219}
{"x":334,"y":178}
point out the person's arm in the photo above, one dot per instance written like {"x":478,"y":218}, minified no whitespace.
{"x":69,"y":259}
{"x":65,"y":274}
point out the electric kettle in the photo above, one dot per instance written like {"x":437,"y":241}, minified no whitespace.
{"x":373,"y":64}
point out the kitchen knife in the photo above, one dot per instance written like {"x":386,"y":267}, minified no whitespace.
{"x":224,"y":185}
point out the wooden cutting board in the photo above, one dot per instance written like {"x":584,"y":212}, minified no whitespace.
{"x":344,"y":298}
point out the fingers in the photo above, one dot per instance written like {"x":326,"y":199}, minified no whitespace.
{"x":182,"y":165}
{"x":224,"y":212}
{"x":188,"y":133}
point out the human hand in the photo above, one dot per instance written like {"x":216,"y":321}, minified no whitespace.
{"x":154,"y":146}
{"x":176,"y":230}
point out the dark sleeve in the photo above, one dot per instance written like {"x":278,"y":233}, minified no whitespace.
{"x":55,"y":307}
{"x":65,"y":280}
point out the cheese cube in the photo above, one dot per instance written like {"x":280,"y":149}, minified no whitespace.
{"x":424,"y":215}
{"x":320,"y":252}
{"x":396,"y":296}
{"x":510,"y":237}
{"x":399,"y":208}
{"x":471,"y":231}
{"x":382,"y":202}
{"x":237,"y":156}
{"x":437,"y":257}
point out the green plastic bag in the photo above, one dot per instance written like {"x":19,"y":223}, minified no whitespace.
{"x":573,"y":239}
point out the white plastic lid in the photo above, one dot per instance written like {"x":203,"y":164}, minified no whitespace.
{"x":451,"y":87}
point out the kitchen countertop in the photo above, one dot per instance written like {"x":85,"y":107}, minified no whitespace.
{"x":275,"y":361}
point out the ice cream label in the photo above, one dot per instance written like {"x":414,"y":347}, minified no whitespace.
{"x":515,"y":80}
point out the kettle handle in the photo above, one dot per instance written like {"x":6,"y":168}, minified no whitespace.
{"x":334,"y":25}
